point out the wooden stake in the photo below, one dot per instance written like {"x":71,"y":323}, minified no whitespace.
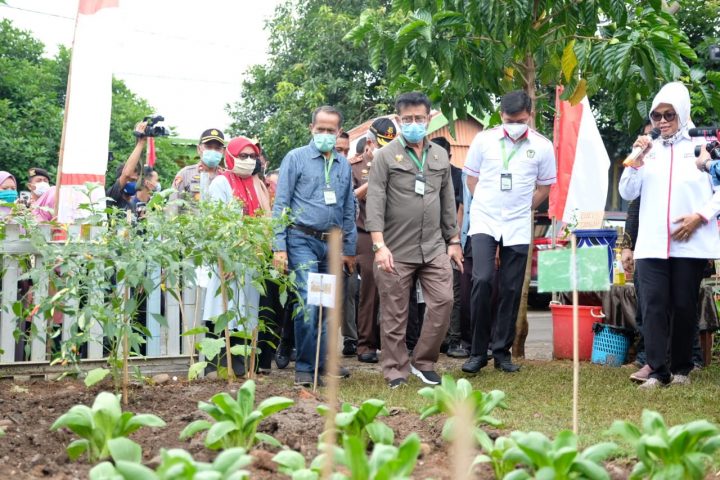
{"x":126,"y":373}
{"x":228,"y":354}
{"x":576,"y":348}
{"x":332,"y":363}
{"x":250,"y":372}
{"x":317,"y":348}
{"x":463,"y":441}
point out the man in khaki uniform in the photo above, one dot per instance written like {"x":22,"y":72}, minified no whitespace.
{"x":189,"y":180}
{"x":412,"y":220}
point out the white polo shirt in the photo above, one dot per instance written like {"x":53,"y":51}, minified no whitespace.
{"x":506,"y":214}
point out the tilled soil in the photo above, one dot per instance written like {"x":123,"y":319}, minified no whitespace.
{"x":30,"y":450}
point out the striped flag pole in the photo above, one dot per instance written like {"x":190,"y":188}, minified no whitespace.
{"x":83,"y":154}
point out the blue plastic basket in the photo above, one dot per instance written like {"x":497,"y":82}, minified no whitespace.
{"x":593,"y":238}
{"x":610,"y":345}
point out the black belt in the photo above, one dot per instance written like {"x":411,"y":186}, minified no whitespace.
{"x":322,"y":236}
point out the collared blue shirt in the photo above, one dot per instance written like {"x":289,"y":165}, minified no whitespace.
{"x":714,"y":171}
{"x":300,"y":188}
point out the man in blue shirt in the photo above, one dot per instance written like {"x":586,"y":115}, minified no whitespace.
{"x":315,"y":188}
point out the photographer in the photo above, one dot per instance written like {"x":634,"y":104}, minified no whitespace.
{"x":148,"y":184}
{"x":123,"y":189}
{"x":706,"y":163}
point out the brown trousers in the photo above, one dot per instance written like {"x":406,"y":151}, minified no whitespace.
{"x":368,"y":330}
{"x":436,"y":279}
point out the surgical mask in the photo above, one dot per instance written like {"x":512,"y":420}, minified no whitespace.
{"x":41,"y":188}
{"x":244,"y":167}
{"x":324,"y":141}
{"x":211,"y":158}
{"x":8,"y":196}
{"x":158,"y":188}
{"x":414,"y":132}
{"x":515,"y":130}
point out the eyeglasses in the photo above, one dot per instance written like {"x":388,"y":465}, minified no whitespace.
{"x":668,"y":116}
{"x":245,"y":156}
{"x":408,"y":119}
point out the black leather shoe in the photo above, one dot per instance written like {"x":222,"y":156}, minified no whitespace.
{"x":349,"y":348}
{"x":455,"y":350}
{"x":370,"y":357}
{"x":507,"y":367}
{"x":474,"y":364}
{"x":282,"y":359}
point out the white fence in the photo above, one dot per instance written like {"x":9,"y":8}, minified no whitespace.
{"x":164,"y":343}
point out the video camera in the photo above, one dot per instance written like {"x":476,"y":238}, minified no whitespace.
{"x":713,"y":146}
{"x":153,"y":129}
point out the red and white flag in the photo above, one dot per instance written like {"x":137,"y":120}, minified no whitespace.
{"x":151,"y":155}
{"x":583,"y":162}
{"x":86,"y":129}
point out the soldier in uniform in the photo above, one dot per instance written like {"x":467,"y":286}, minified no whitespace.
{"x":189,"y":181}
{"x":381,"y":132}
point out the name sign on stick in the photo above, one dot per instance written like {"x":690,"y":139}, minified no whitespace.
{"x":321,"y":289}
{"x":589,"y":273}
{"x":590,"y":220}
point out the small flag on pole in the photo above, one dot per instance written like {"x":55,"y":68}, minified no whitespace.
{"x":555,"y":270}
{"x":151,"y":155}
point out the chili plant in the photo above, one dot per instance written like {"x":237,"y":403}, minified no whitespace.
{"x":682,"y":451}
{"x":236,"y":420}
{"x":98,"y":425}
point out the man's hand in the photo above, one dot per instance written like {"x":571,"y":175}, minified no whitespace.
{"x":140,"y":131}
{"x":688,"y":225}
{"x":702,"y":160}
{"x":280,"y":261}
{"x":627,"y":261}
{"x":384,"y":260}
{"x":455,"y":253}
{"x":349,"y":262}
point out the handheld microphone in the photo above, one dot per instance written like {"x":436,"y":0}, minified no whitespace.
{"x":654,"y":133}
{"x":705,"y":132}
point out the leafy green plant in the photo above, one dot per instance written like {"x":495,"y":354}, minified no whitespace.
{"x":682,"y":451}
{"x":384,"y":462}
{"x":362,"y":421}
{"x":236,"y":420}
{"x":98,"y":425}
{"x":559,"y":459}
{"x":495,"y":455}
{"x":176,"y":464}
{"x":450,"y":395}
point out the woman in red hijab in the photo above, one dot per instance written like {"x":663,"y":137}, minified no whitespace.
{"x":240,"y":179}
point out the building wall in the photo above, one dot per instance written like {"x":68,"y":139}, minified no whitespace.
{"x":465,"y":131}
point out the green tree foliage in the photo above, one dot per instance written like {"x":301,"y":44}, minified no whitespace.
{"x":463,"y":53}
{"x":309,"y":65}
{"x":32,"y":102}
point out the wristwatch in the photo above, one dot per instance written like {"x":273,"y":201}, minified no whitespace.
{"x":377,"y":246}
{"x":454,"y":242}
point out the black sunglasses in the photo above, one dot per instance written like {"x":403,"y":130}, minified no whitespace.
{"x":668,"y":116}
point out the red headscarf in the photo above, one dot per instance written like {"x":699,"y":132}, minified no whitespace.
{"x":243,"y":188}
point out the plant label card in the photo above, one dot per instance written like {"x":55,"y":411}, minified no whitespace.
{"x":590,"y":220}
{"x":321,"y":289}
{"x":556,"y":271}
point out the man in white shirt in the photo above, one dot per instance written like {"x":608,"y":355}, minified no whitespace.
{"x":509,"y":170}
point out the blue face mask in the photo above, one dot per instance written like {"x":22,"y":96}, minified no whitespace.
{"x":414,"y":132}
{"x":324,"y":141}
{"x":211,"y":158}
{"x":8,"y":196}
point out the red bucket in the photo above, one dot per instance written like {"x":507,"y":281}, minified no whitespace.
{"x":562,"y":316}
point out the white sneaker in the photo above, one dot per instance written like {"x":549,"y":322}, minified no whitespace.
{"x":652,"y":383}
{"x":680,"y":380}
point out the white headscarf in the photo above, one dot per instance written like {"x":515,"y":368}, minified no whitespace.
{"x":677,"y":95}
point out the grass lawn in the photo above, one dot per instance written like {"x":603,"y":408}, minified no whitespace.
{"x":539,"y":397}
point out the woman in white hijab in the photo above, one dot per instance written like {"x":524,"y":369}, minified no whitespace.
{"x":677,"y":233}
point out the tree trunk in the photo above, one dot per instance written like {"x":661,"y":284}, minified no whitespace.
{"x":521,"y":323}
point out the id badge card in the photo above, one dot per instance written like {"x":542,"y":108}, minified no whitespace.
{"x":506,"y":181}
{"x":329,"y":195}
{"x":420,"y":184}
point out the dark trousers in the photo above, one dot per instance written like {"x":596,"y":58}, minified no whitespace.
{"x":454,"y":334}
{"x":368,"y":328}
{"x":670,"y":290}
{"x":271,"y":313}
{"x":416,"y":315}
{"x":466,"y":324}
{"x":509,"y":289}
